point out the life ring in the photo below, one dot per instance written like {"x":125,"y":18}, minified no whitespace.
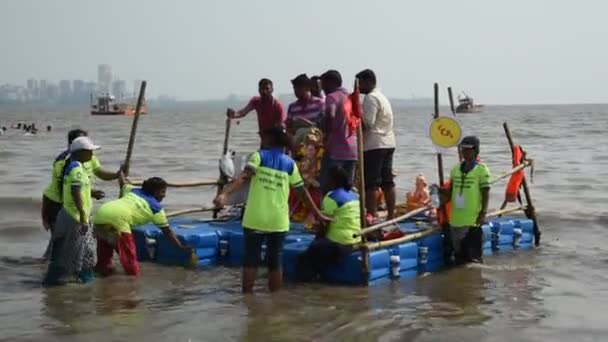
{"x":512,"y":191}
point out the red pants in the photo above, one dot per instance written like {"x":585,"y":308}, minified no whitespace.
{"x":125,"y":247}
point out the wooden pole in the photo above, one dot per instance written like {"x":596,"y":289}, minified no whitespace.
{"x":452,"y":108}
{"x":127,"y":164}
{"x":505,"y":211}
{"x":530,"y":212}
{"x":191,"y":184}
{"x":361,"y":188}
{"x":442,"y":212}
{"x":382,"y":244}
{"x":451,"y":101}
{"x":223,"y":178}
{"x":188,"y":211}
{"x":436,"y":115}
{"x":393,"y":221}
{"x":140,"y":99}
{"x":518,"y":168}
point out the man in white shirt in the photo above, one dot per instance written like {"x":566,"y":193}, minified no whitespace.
{"x":378,"y":144}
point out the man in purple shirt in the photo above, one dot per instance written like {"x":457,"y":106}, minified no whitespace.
{"x":304,"y":113}
{"x":340,"y":144}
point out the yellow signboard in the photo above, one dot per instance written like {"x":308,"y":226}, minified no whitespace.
{"x":445,"y":132}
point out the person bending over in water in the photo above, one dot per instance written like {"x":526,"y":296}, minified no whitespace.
{"x":114,"y":219}
{"x":266,"y":216}
{"x":335,"y":240}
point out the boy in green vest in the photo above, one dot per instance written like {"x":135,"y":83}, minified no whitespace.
{"x":469,"y":195}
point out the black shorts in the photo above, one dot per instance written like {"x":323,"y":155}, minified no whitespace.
{"x":378,"y":168}
{"x":254,"y":239}
{"x":51,"y":209}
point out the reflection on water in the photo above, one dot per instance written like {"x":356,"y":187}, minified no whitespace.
{"x":554,"y":293}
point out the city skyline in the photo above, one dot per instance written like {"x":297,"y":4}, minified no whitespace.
{"x":69,"y":90}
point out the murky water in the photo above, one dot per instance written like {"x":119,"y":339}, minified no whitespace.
{"x":557,"y":292}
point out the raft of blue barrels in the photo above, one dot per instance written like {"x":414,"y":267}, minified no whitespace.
{"x":220,"y":243}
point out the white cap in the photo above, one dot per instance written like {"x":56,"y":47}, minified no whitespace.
{"x":83,"y":143}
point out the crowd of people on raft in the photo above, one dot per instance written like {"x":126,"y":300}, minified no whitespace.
{"x":304,"y":171}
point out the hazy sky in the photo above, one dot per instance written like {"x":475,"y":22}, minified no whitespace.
{"x":517,"y":51}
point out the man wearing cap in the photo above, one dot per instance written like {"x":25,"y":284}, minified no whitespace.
{"x":72,"y":241}
{"x":52,"y":195}
{"x":306,"y":111}
{"x":469,"y":194}
{"x":378,"y":144}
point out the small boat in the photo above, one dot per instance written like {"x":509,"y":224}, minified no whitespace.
{"x":466,"y":104}
{"x":106,"y":105}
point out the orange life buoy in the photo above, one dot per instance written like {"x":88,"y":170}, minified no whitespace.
{"x":444,"y":219}
{"x":516,"y":178}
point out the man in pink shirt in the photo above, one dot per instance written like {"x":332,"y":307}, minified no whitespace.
{"x":270,"y":111}
{"x":340,"y":144}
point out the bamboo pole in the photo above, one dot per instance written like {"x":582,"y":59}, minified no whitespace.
{"x":139,"y":182}
{"x":140,"y":99}
{"x":516,"y":169}
{"x":223,"y":180}
{"x":127,"y":164}
{"x":451,"y":101}
{"x":395,"y":220}
{"x":436,"y":115}
{"x":189,"y":211}
{"x":530,"y":212}
{"x":361,"y":186}
{"x":505,"y":211}
{"x":451,"y":97}
{"x":382,"y":244}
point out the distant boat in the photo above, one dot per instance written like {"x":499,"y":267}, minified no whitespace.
{"x":105,"y":105}
{"x":466,"y":104}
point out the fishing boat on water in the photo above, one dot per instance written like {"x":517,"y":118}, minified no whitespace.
{"x":466,"y":104}
{"x":106,"y":104}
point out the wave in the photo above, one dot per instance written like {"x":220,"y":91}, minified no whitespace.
{"x":19,"y":204}
{"x":7,"y":154}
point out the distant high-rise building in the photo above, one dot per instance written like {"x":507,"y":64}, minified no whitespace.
{"x":32,"y":84}
{"x":89,"y":89}
{"x":65,"y":89}
{"x":119,"y":89}
{"x":33,"y":92}
{"x":52,"y":92}
{"x":78,"y":89}
{"x":104,"y":77}
{"x":42,"y":89}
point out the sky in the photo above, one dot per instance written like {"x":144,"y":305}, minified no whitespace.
{"x":500,"y":52}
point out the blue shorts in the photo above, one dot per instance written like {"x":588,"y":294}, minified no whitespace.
{"x":254,"y":239}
